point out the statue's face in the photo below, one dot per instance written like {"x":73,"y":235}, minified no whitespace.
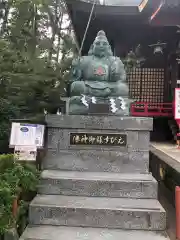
{"x":101,"y":48}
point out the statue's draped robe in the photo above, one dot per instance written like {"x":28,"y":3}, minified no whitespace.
{"x":99,"y":73}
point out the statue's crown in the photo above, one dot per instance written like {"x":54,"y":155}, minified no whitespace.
{"x":101,"y":35}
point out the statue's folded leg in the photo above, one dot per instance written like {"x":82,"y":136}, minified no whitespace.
{"x":78,"y":88}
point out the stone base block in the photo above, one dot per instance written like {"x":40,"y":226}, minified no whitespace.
{"x":97,"y":161}
{"x":81,"y":233}
{"x":141,"y":214}
{"x":99,"y":122}
{"x":98,"y":184}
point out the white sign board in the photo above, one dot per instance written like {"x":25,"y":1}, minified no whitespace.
{"x":24,"y":134}
{"x":177,"y":103}
{"x":39,"y":139}
{"x":25,"y":153}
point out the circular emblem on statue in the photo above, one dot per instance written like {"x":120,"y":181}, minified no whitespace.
{"x":100,"y":71}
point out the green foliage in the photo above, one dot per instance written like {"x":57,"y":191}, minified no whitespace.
{"x":6,"y":199}
{"x":16,"y":180}
{"x":22,"y":177}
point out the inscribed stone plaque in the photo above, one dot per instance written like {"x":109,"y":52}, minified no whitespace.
{"x":98,"y":139}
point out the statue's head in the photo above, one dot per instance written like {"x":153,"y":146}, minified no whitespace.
{"x":101,"y":46}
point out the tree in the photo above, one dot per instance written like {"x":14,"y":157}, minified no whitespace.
{"x":36,"y":50}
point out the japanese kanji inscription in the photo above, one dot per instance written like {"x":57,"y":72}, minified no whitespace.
{"x":98,"y":139}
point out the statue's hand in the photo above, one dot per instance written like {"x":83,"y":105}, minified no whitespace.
{"x":100,"y":92}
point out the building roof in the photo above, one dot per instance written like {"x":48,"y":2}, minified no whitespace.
{"x":127,"y":7}
{"x":116,"y":2}
{"x":107,"y":7}
{"x":113,"y":16}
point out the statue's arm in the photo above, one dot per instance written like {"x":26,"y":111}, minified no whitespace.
{"x":122,"y":71}
{"x":76,"y":72}
{"x":118,"y":70}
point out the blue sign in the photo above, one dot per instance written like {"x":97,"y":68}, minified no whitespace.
{"x":24,"y":129}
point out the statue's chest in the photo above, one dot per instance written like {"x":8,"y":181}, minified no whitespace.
{"x":97,"y":71}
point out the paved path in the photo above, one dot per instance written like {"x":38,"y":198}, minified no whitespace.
{"x":168,"y":152}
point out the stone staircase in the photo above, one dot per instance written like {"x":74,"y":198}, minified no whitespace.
{"x":96,"y":191}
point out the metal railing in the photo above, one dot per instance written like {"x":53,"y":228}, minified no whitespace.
{"x":145,"y":109}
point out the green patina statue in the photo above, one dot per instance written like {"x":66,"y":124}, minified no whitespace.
{"x":99,"y":77}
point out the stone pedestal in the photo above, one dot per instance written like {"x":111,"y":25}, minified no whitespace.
{"x":129,"y":158}
{"x":96,"y":182}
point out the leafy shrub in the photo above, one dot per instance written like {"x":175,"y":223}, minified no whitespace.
{"x":16,"y":181}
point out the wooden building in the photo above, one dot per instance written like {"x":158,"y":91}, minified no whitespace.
{"x":129,"y":23}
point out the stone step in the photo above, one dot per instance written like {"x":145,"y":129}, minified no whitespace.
{"x":80,"y":233}
{"x":97,"y":161}
{"x":102,"y":184}
{"x":124,"y":213}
